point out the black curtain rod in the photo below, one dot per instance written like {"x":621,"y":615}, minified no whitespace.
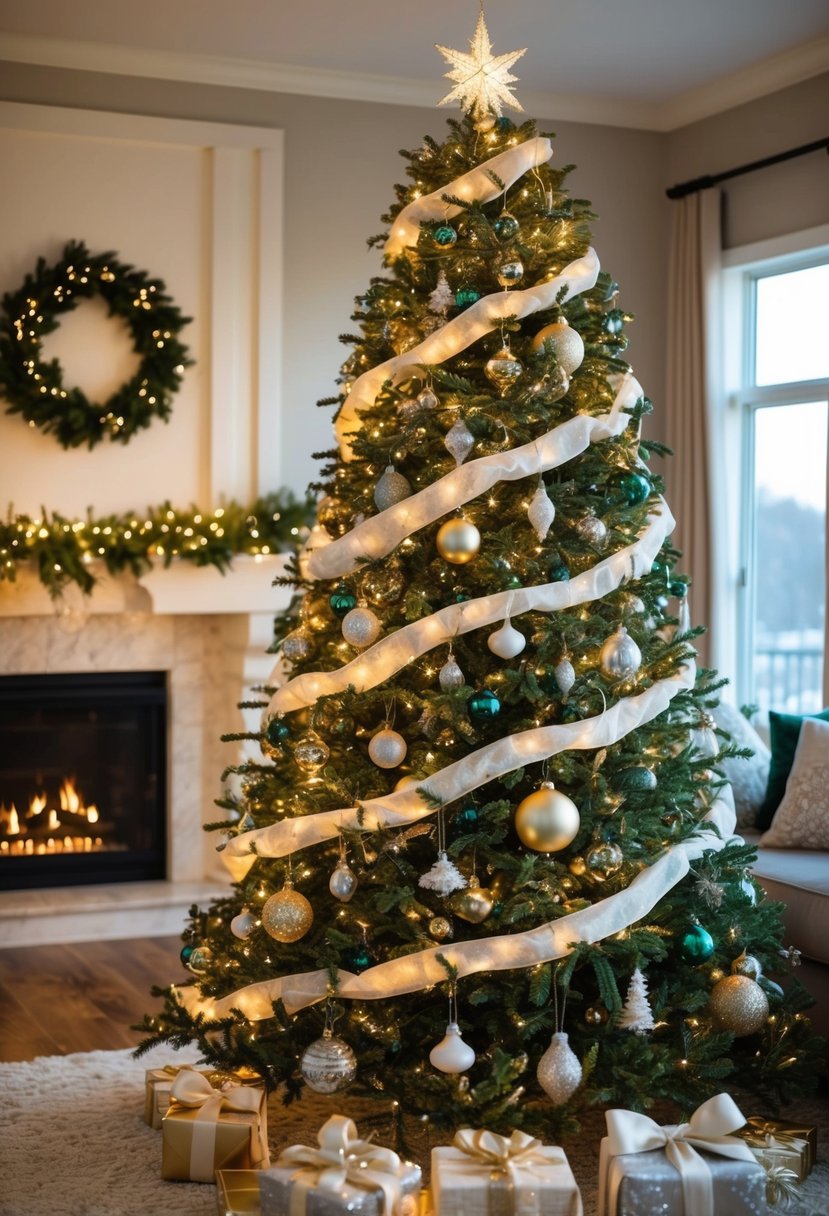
{"x":703,"y":183}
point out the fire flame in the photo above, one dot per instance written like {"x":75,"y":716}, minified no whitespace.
{"x":13,"y":824}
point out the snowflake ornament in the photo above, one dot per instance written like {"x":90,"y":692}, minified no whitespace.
{"x":481,"y":79}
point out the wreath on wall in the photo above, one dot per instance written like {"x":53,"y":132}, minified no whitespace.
{"x":34,"y":386}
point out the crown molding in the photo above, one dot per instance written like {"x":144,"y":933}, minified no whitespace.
{"x":768,"y":76}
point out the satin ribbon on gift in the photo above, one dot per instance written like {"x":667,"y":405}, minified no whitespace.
{"x":506,"y":1156}
{"x":192,"y":1089}
{"x":711,"y":1127}
{"x":342,"y":1157}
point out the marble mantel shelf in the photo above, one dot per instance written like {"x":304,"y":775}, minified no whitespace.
{"x":174,"y":590}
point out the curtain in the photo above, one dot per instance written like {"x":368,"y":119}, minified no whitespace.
{"x":693,"y":376}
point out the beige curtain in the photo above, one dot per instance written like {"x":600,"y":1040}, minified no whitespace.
{"x":693,"y":375}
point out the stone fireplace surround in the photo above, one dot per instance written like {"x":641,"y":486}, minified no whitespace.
{"x":210,"y":633}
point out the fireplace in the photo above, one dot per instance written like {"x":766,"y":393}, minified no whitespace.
{"x":83,"y":778}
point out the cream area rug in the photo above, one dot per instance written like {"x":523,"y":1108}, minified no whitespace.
{"x":73,"y":1142}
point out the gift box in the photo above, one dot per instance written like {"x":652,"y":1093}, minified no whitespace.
{"x":781,"y":1136}
{"x":207,"y":1129}
{"x":157,"y":1085}
{"x":237,"y":1192}
{"x":484,"y":1174}
{"x":698,"y":1168}
{"x":345,"y":1174}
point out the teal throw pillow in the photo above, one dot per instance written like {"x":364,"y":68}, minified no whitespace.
{"x":784,"y":732}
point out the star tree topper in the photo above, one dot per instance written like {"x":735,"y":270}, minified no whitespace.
{"x":482,"y":79}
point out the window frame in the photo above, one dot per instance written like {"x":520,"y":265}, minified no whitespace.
{"x":734,"y":428}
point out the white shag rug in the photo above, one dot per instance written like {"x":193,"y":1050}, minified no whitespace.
{"x":73,"y":1142}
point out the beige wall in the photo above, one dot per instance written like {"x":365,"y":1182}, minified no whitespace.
{"x":340,"y":165}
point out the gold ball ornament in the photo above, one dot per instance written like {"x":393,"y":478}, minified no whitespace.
{"x":547,"y":820}
{"x":334,"y":515}
{"x":440,"y":928}
{"x":474,"y":903}
{"x":738,"y":1004}
{"x":566,"y":344}
{"x":311,"y":753}
{"x":458,"y":541}
{"x":287,"y":915}
{"x":503,"y":369}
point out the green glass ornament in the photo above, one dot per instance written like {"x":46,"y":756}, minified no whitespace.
{"x":614,"y":321}
{"x":483,"y":705}
{"x":357,"y":958}
{"x":199,"y":960}
{"x":461,"y":596}
{"x":186,"y":951}
{"x":465,"y":296}
{"x":635,"y":487}
{"x":342,"y":601}
{"x":277,"y":731}
{"x":559,"y":573}
{"x":677,"y":588}
{"x":636,"y":780}
{"x":696,"y":944}
{"x":467,"y":817}
{"x":445,"y":236}
{"x":506,"y":226}
{"x":513,"y":582}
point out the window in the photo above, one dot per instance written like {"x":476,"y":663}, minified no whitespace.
{"x":780,"y":379}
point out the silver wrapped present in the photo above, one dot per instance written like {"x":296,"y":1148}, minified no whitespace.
{"x":345,"y":1174}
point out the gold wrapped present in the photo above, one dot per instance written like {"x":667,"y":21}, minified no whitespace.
{"x":787,"y":1134}
{"x":157,"y":1085}
{"x":237,"y":1193}
{"x":484,"y":1174}
{"x":207,"y":1129}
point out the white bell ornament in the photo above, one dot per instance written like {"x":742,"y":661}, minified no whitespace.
{"x":451,"y":1054}
{"x":506,"y":642}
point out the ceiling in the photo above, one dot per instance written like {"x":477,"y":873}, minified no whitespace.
{"x":647,"y":63}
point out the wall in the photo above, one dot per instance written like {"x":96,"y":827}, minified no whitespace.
{"x":340,"y":165}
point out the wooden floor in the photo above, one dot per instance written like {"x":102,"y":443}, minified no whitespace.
{"x":58,"y":999}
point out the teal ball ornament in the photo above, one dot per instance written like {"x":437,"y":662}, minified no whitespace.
{"x":636,"y":780}
{"x":200,"y":959}
{"x":677,"y":588}
{"x":696,"y":944}
{"x":467,"y":817}
{"x":635,"y":488}
{"x":342,"y":601}
{"x":357,"y":959}
{"x":273,"y":736}
{"x":185,"y":953}
{"x":445,"y":236}
{"x":466,"y":296}
{"x":506,"y":226}
{"x":559,"y":573}
{"x":483,"y":705}
{"x":614,"y":321}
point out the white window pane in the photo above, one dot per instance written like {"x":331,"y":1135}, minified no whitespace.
{"x":791,"y":337}
{"x":789,"y":575}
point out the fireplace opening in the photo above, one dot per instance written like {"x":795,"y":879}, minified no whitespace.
{"x":82,"y":779}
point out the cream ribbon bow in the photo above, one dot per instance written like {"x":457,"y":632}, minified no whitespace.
{"x":505,"y":1153}
{"x":194,"y":1090}
{"x":342,"y":1157}
{"x":709,"y":1127}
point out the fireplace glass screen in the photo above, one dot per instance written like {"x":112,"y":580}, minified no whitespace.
{"x":82,"y":779}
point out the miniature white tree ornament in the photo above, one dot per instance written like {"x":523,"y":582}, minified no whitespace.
{"x":637,"y":1014}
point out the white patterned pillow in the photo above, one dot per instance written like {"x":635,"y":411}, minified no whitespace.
{"x":748,"y":778}
{"x":802,"y":819}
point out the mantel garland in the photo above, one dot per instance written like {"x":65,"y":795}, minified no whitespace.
{"x":63,"y":549}
{"x":34,"y":386}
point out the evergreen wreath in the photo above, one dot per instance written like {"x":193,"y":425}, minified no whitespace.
{"x":34,"y":386}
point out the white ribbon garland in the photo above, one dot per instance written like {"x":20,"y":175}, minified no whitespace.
{"x":402,"y":807}
{"x":475,"y":322}
{"x":513,"y":951}
{"x":710,"y":1127}
{"x":475,"y":186}
{"x":391,"y":653}
{"x":378,"y":535}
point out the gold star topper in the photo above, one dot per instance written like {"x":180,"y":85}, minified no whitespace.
{"x":482,"y":79}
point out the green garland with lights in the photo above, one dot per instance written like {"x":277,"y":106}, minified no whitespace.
{"x":63,"y":550}
{"x":34,"y":386}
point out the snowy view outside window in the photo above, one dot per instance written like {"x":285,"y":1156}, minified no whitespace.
{"x":789,"y":492}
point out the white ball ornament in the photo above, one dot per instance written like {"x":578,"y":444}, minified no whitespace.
{"x":620,"y":657}
{"x":387,"y":748}
{"x":361,"y":628}
{"x":559,"y":1072}
{"x":451,"y":1054}
{"x":547,"y":820}
{"x":506,"y":642}
{"x":243,"y":924}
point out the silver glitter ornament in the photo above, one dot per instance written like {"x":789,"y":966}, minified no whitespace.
{"x":390,"y":489}
{"x":451,"y":1054}
{"x":287,"y":915}
{"x":444,"y":877}
{"x":450,"y":676}
{"x":409,"y":409}
{"x":311,"y":753}
{"x":328,"y":1064}
{"x":243,"y":924}
{"x":503,"y":369}
{"x":738,"y":1004}
{"x":459,"y":441}
{"x":297,"y":645}
{"x":343,"y":882}
{"x":747,"y":964}
{"x":564,"y":674}
{"x":360,"y":627}
{"x":592,"y":530}
{"x":427,"y":399}
{"x":541,"y":511}
{"x":506,"y":642}
{"x":559,"y":1071}
{"x":620,"y":657}
{"x":387,"y":748}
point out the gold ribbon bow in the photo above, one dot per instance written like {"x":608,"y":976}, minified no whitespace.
{"x":342,"y":1157}
{"x":505,"y":1156}
{"x":193,"y":1089}
{"x":710,"y":1128}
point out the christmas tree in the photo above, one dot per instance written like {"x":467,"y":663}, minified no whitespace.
{"x":489,"y":794}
